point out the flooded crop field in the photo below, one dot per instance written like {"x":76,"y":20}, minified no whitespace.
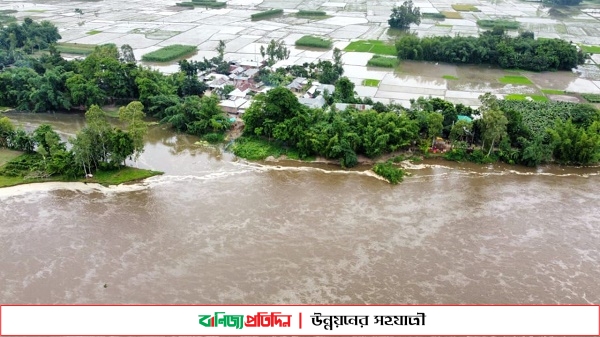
{"x":149,"y":25}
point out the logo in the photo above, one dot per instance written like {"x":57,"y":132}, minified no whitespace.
{"x":261,"y":319}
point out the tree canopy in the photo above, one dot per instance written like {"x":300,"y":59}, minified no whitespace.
{"x":492,"y":47}
{"x":402,"y":16}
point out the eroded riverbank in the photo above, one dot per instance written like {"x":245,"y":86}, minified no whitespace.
{"x":215,"y":229}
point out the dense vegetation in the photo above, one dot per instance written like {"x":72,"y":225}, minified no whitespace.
{"x":389,"y":171}
{"x":528,"y":133}
{"x":495,"y":48}
{"x":16,"y":41}
{"x":325,"y":72}
{"x":111,"y":76}
{"x":314,"y":42}
{"x":169,"y":53}
{"x":402,"y":16}
{"x":266,"y":14}
{"x":97,"y":147}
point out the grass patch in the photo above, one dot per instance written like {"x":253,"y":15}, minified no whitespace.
{"x":435,"y":16}
{"x":389,"y":171}
{"x":591,"y":49}
{"x":465,"y":8}
{"x":310,"y":14}
{"x":371,"y":83}
{"x":314,"y":42}
{"x":451,"y":15}
{"x":94,"y":32}
{"x":510,"y":79}
{"x":253,"y":148}
{"x":36,"y":11}
{"x":123,"y":175}
{"x":169,"y":53}
{"x":383,"y":61}
{"x":75,"y":48}
{"x":372,"y":46}
{"x":442,"y":25}
{"x":523,"y":97}
{"x":506,"y":24}
{"x":592,"y":98}
{"x":450,"y":77}
{"x":20,"y":165}
{"x":8,"y":11}
{"x":266,"y":14}
{"x":553,"y":92}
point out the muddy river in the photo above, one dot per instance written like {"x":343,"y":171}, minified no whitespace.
{"x":215,"y":229}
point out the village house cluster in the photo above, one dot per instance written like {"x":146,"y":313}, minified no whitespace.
{"x":243,"y":78}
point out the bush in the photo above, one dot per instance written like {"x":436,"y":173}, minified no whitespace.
{"x":265,"y":14}
{"x":169,"y":53}
{"x":389,"y":171}
{"x":383,"y":61}
{"x":214,"y":138}
{"x":253,"y":148}
{"x":314,"y":41}
{"x":474,"y":156}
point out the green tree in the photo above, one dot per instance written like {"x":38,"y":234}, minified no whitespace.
{"x":133,"y":114}
{"x":126,"y":54}
{"x":435,"y":125}
{"x":405,"y":14}
{"x":83,"y":92}
{"x":83,"y":151}
{"x":99,"y":130}
{"x":121,"y":147}
{"x":209,"y":117}
{"x":344,"y":90}
{"x":460,"y":131}
{"x":221,"y":50}
{"x":493,"y":121}
{"x":535,"y":151}
{"x":575,"y":145}
{"x":55,"y":157}
{"x":338,"y":64}
{"x":276,"y":51}
{"x":7,"y":131}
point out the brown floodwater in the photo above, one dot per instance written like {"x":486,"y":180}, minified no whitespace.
{"x":215,"y":229}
